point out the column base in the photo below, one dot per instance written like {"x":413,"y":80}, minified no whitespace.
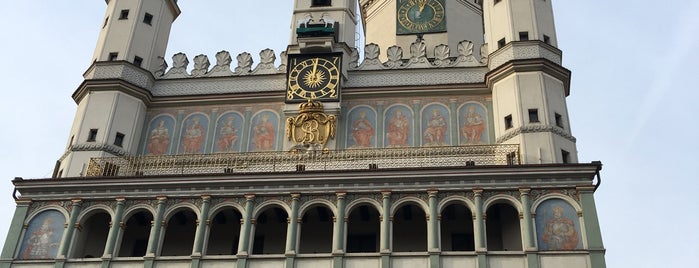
{"x":290,"y":263}
{"x":338,"y":261}
{"x":435,"y":260}
{"x":532,"y":260}
{"x":386,"y":260}
{"x":482,"y":260}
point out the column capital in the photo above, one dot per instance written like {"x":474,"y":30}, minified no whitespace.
{"x":432,"y":193}
{"x":206,"y":198}
{"x":23,"y":202}
{"x":386,"y":194}
{"x":120,"y":200}
{"x":341,"y":195}
{"x":76,"y":201}
{"x":524,"y":191}
{"x":586,"y":188}
{"x":161,"y":199}
{"x":249,"y":197}
{"x":477,"y":192}
{"x":295,"y":196}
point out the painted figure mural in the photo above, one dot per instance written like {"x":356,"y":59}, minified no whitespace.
{"x":398,"y":127}
{"x":473,"y":125}
{"x":435,"y":127}
{"x":43,"y":236}
{"x":557,"y":226}
{"x":194,"y":134}
{"x":159,"y":135}
{"x":361,"y":129}
{"x":227,"y":134}
{"x":263,"y":132}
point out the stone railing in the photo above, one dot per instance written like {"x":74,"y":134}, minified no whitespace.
{"x":351,"y":159}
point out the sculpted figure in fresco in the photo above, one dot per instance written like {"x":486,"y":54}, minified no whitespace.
{"x":40,"y":242}
{"x":159,"y":139}
{"x":398,"y":129}
{"x":559,"y":232}
{"x":362,"y":131}
{"x":436,"y":128}
{"x":473,"y":126}
{"x":263,"y":134}
{"x":193,"y":137}
{"x":228,"y":135}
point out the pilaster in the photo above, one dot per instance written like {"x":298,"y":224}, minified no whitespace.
{"x":114,"y":228}
{"x":13,"y":236}
{"x":527,"y":229}
{"x":592,"y":229}
{"x":479,"y":228}
{"x":154,"y":238}
{"x":68,"y":234}
{"x":339,"y":227}
{"x":386,"y":230}
{"x":244,"y":242}
{"x":202,"y":225}
{"x":291,"y":232}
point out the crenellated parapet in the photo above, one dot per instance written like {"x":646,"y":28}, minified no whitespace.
{"x":414,"y":58}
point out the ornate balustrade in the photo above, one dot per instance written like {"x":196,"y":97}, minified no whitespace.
{"x":351,"y":159}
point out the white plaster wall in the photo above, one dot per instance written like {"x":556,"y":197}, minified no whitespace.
{"x":266,"y":263}
{"x":314,"y":262}
{"x":127,"y":263}
{"x":117,"y":35}
{"x":129,"y":118}
{"x":362,"y":262}
{"x":498,"y":22}
{"x":218,"y":263}
{"x":93,"y":264}
{"x":33,"y":265}
{"x":458,"y":261}
{"x":545,"y":22}
{"x":508,"y":262}
{"x":410,"y":261}
{"x":505,"y":102}
{"x":567,"y":261}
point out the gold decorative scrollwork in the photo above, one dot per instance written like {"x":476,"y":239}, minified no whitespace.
{"x":312,"y":128}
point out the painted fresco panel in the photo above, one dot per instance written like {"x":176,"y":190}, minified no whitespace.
{"x":263,"y":131}
{"x":43,"y":236}
{"x":193,"y":134}
{"x":473,"y":124}
{"x":398,"y":126}
{"x":228,"y":129}
{"x":361,"y":128}
{"x":557,"y":226}
{"x":435,"y":125}
{"x":159,"y":135}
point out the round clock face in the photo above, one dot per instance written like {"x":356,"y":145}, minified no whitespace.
{"x":314,"y":78}
{"x":420,"y":16}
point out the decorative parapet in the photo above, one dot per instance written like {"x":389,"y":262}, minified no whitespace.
{"x":524,"y":50}
{"x":120,"y":70}
{"x":417,"y":60}
{"x":409,"y":157}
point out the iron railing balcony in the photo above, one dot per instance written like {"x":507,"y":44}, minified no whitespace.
{"x":350,"y":159}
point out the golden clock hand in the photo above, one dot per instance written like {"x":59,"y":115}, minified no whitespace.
{"x":315,"y":66}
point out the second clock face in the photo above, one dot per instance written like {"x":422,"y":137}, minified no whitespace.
{"x":313,"y":77}
{"x":420,"y":16}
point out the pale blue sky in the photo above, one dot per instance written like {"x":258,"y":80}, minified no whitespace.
{"x":633,"y":100}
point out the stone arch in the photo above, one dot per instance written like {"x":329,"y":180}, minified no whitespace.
{"x":502,"y":223}
{"x":456,"y":224}
{"x":566,"y":198}
{"x":271,"y":219}
{"x":179,"y":231}
{"x":409,"y":225}
{"x":135,"y":231}
{"x":89,"y":241}
{"x":362,"y":201}
{"x":316,"y":226}
{"x":410,"y":199}
{"x":38,"y":211}
{"x":223,"y":229}
{"x":363,"y":225}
